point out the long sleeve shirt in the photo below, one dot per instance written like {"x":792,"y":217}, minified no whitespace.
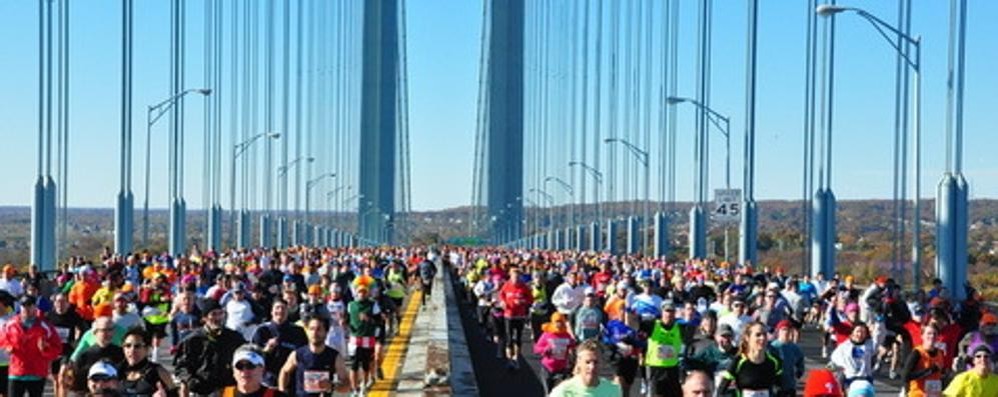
{"x":855,"y":360}
{"x":567,"y":298}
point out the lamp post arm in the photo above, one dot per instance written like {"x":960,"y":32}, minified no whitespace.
{"x":716,"y":119}
{"x":164,"y":106}
{"x":880,"y":25}
{"x":641,"y":154}
{"x":568,"y":188}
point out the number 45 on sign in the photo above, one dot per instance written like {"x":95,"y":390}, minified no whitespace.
{"x":727,"y":205}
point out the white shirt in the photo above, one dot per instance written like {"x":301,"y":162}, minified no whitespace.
{"x":12,"y":285}
{"x":855,"y":360}
{"x":736,"y":322}
{"x":238,"y":314}
{"x":567,"y":298}
{"x":128,"y":320}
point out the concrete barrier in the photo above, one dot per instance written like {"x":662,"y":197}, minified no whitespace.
{"x":437,"y":362}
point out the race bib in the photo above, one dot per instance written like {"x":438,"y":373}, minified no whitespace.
{"x":559,"y":349}
{"x":63,"y":333}
{"x":313,"y":381}
{"x":933,"y":387}
{"x":755,"y":393}
{"x":666,"y":352}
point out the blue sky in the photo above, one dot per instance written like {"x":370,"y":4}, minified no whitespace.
{"x":444,"y":39}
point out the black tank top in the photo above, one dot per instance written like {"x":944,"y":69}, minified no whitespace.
{"x":145,"y":385}
{"x":309,"y":361}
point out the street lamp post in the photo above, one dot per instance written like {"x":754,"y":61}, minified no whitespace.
{"x":903,"y":41}
{"x":723,"y":125}
{"x":240,"y":148}
{"x":571,"y":195}
{"x":597,"y":176}
{"x":308,"y":191}
{"x":159,"y":110}
{"x":550,"y":200}
{"x":282,"y":175}
{"x":642,"y":157}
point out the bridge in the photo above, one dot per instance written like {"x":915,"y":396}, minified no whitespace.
{"x":299,"y":112}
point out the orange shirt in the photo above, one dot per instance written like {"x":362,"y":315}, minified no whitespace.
{"x":614,"y":308}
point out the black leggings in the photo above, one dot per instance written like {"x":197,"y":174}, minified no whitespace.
{"x":514,"y":332}
{"x":33,"y":388}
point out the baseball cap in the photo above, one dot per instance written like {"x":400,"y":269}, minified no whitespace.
{"x":315,"y":289}
{"x":247,"y":355}
{"x":589,"y":291}
{"x":989,"y":319}
{"x":725,"y":329}
{"x":784,"y":324}
{"x":667,"y":305}
{"x":27,"y":300}
{"x":982,"y":348}
{"x":102,"y":370}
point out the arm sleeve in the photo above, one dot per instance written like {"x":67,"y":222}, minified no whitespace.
{"x":53,"y":346}
{"x":908,"y":369}
{"x":541,"y":345}
{"x":727,"y":377}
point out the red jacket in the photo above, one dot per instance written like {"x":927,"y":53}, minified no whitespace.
{"x":516,"y":298}
{"x":27,"y":358}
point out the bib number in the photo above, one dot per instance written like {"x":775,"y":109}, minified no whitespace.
{"x":666,"y":352}
{"x":933,"y":387}
{"x":755,"y":393}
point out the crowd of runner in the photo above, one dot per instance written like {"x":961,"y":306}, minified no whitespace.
{"x":259,"y":323}
{"x":702,"y":328}
{"x":310,"y":322}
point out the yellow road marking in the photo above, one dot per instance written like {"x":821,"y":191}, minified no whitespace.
{"x":397,"y":347}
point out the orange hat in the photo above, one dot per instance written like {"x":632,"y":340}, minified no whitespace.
{"x":103,"y":310}
{"x":882,"y":280}
{"x":822,"y":383}
{"x":315,"y":289}
{"x":557,"y":317}
{"x":989,"y":319}
{"x":850,"y":278}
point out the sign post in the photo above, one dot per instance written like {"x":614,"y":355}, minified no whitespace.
{"x":727,"y":211}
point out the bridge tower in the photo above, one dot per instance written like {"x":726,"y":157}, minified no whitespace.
{"x":379,"y":121}
{"x":499,"y":171}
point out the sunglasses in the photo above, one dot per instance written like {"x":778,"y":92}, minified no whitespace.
{"x":133,"y":346}
{"x":246,"y":365}
{"x":982,"y":356}
{"x":101,"y":378}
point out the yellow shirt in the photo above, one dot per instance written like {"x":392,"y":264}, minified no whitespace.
{"x":969,"y":384}
{"x":103,"y":295}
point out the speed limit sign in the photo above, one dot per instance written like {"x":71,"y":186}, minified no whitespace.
{"x":727,"y":205}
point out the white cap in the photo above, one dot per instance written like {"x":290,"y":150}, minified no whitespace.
{"x":102,"y":368}
{"x":247,"y":355}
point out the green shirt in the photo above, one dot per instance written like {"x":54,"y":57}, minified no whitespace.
{"x":89,"y":339}
{"x":360,"y":327}
{"x":574,"y":387}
